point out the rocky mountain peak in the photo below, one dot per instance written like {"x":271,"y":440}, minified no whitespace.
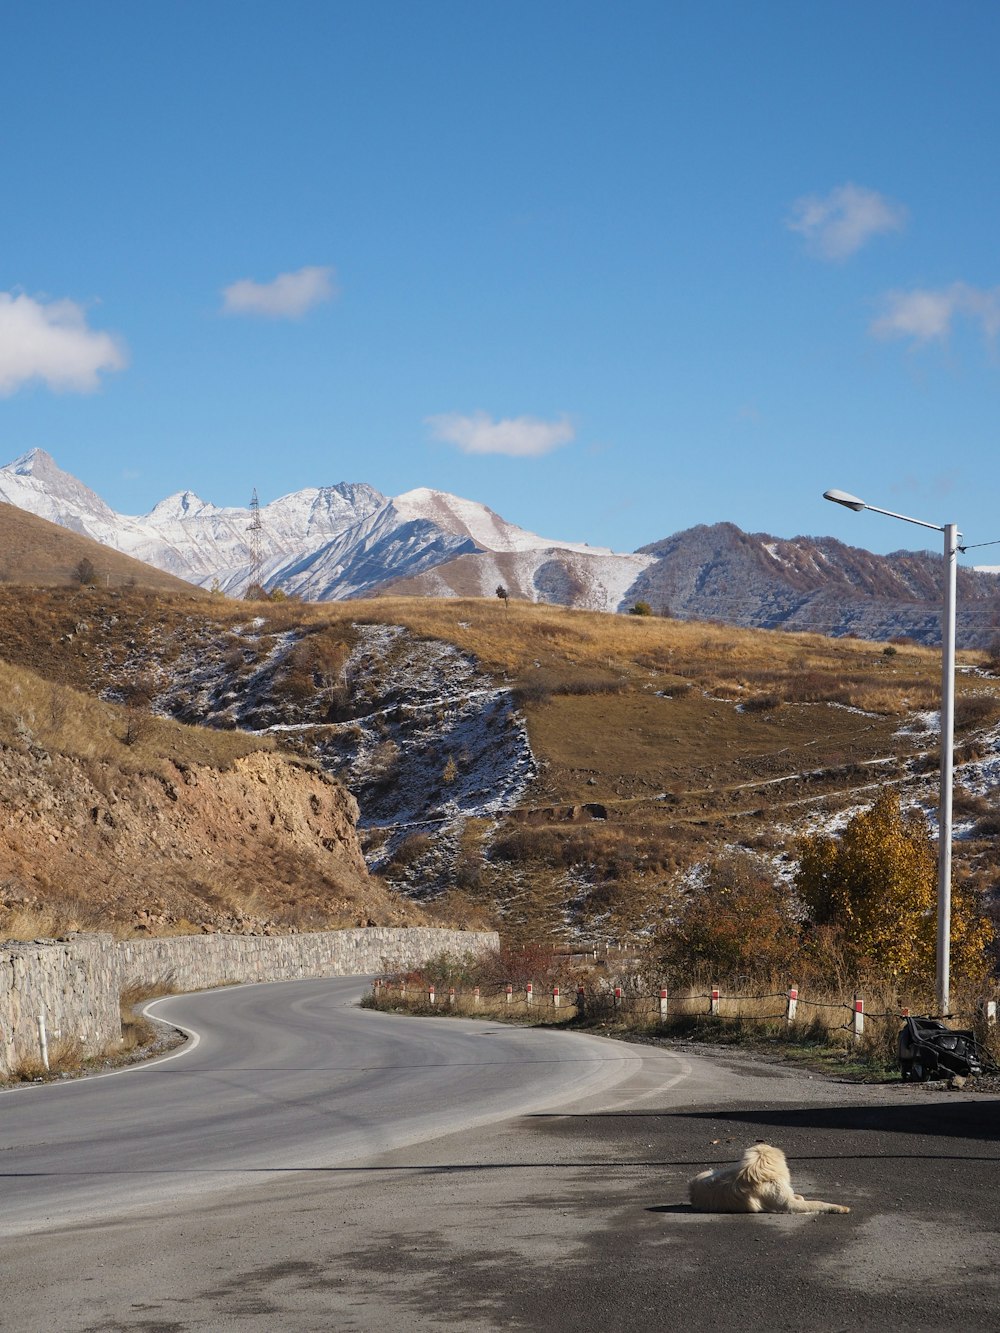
{"x":348,"y":540}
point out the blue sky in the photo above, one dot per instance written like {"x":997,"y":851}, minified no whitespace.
{"x":613,"y":270}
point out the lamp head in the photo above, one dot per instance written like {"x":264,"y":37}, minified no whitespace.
{"x":848,"y":501}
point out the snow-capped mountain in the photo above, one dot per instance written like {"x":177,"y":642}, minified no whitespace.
{"x":336,"y":542}
{"x":326,"y":543}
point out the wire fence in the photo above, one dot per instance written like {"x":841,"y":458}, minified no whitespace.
{"x":656,"y":1007}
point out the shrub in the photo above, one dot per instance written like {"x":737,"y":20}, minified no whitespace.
{"x":532,"y":692}
{"x":975,"y":710}
{"x":877,"y":885}
{"x":761,"y":704}
{"x":411,"y":849}
{"x":988,"y":826}
{"x":496,"y":967}
{"x":591,"y":685}
{"x":740,"y":922}
{"x":85,"y":572}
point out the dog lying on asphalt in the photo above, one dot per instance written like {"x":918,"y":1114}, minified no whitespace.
{"x":758,"y":1183}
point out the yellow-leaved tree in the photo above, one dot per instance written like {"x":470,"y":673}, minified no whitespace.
{"x":876,"y":886}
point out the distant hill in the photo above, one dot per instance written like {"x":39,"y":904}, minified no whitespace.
{"x":347,"y":541}
{"x":813,"y":583}
{"x":35,"y":552}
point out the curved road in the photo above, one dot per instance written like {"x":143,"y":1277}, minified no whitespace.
{"x":282,"y":1077}
{"x":309,"y":1166}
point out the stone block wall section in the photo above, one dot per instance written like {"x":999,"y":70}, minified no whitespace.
{"x":73,"y":984}
{"x":76,"y":983}
{"x":195,"y":962}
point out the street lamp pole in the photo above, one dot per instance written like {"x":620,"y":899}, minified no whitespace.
{"x":951,"y":540}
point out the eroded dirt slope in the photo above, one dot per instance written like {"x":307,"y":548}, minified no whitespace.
{"x":268,"y":844}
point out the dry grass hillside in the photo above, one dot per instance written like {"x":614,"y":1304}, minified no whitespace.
{"x":114,"y":819}
{"x":659,"y":743}
{"x":663,"y":742}
{"x":37,"y":553}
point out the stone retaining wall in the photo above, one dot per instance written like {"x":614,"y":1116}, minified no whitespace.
{"x":73,"y":984}
{"x":195,"y":962}
{"x":76,"y":983}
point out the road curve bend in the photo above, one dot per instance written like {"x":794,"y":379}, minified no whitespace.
{"x":279,"y":1078}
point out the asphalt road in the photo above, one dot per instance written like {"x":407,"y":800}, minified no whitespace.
{"x":275,"y":1078}
{"x":389,"y":1173}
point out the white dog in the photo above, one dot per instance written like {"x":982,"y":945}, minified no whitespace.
{"x":758,"y":1183}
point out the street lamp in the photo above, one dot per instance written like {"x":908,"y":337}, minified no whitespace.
{"x":951,"y":539}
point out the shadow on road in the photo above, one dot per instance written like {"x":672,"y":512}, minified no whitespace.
{"x":948,"y":1117}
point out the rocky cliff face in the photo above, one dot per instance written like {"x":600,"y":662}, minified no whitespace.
{"x":266,"y":845}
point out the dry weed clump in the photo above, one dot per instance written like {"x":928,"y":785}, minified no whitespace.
{"x":976,"y":710}
{"x":137,"y":1030}
{"x":35,"y":922}
{"x":66,"y":1057}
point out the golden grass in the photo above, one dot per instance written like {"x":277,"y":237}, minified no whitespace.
{"x":37,"y":552}
{"x":67,"y":1056}
{"x":70,"y":722}
{"x":513,"y":641}
{"x":42,"y":922}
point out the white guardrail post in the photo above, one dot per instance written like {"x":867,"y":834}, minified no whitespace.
{"x":859,"y":1018}
{"x":43,"y":1040}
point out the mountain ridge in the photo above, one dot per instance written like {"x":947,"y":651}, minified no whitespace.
{"x":348,"y":540}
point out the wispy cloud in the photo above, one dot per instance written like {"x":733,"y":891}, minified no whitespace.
{"x":927,"y":315}
{"x":837,"y":225}
{"x":518,"y":437}
{"x":288,"y":296}
{"x":50,"y":341}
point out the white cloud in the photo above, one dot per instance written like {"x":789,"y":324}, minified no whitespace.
{"x":925,"y":314}
{"x":839,"y":224}
{"x":518,"y":437}
{"x":288,"y":296}
{"x":50,"y":341}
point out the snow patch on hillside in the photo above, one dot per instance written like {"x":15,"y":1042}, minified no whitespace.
{"x":438,"y":741}
{"x":417,"y":731}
